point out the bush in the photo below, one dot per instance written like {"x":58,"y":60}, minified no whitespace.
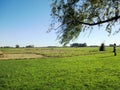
{"x":102,"y":47}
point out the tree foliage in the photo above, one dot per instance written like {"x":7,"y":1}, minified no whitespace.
{"x":17,"y":46}
{"x":75,"y":16}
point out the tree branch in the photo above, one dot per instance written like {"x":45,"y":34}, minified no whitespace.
{"x":108,"y":20}
{"x":93,"y":24}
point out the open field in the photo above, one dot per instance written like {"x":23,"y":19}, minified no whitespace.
{"x":60,"y":69}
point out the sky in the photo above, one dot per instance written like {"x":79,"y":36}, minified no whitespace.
{"x":26,"y":22}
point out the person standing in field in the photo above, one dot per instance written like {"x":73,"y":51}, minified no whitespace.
{"x":114,"y":49}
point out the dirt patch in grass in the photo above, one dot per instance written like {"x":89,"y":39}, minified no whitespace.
{"x":20,"y":56}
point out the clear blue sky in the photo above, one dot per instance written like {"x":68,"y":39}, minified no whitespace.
{"x":25,"y":22}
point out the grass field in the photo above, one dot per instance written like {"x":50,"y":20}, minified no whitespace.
{"x":61,"y":69}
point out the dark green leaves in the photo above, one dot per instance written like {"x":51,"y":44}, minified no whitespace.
{"x":78,"y":15}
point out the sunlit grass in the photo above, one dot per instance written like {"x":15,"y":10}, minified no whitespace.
{"x":88,"y":69}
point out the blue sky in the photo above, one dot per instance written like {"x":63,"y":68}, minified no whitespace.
{"x":25,"y":22}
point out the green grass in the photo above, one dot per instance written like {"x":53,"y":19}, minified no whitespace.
{"x":76,"y":69}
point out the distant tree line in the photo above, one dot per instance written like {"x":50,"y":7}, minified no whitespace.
{"x":18,"y":46}
{"x":6,"y":47}
{"x":30,"y":46}
{"x":78,"y":45}
{"x":71,"y":45}
{"x":111,"y":45}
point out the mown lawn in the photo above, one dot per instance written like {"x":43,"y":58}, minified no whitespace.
{"x":85,"y":69}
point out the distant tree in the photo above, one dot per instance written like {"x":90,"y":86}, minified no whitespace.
{"x":74,"y":45}
{"x":78,"y":45}
{"x":102,"y":47}
{"x":84,"y":44}
{"x":75,"y":16}
{"x":7,"y":47}
{"x":17,"y":46}
{"x":111,"y":45}
{"x":30,"y":46}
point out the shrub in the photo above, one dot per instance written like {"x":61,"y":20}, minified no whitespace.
{"x":102,"y":47}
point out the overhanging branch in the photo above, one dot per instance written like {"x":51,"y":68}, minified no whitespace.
{"x":101,"y":22}
{"x":93,"y":24}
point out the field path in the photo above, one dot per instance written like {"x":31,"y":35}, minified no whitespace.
{"x":20,"y":56}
